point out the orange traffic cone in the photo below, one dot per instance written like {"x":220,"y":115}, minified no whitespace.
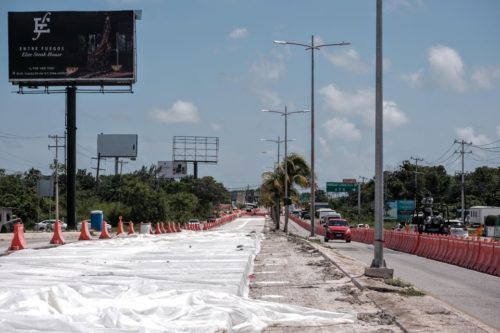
{"x":104,"y":231}
{"x":131,"y":228}
{"x":120,"y":227}
{"x":85,"y":233}
{"x":157,"y":228}
{"x":18,"y":242}
{"x":58,"y":237}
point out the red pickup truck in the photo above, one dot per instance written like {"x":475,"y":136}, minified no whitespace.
{"x":337,"y":228}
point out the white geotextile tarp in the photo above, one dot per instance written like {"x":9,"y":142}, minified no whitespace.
{"x":183,"y":282}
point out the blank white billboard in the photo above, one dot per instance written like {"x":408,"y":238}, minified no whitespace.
{"x":169,"y":169}
{"x":117,"y":145}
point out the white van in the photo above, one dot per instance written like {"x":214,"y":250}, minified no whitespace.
{"x":322,"y":212}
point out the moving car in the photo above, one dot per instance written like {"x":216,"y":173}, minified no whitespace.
{"x":456,"y":228}
{"x":337,"y":228}
{"x":48,"y":225}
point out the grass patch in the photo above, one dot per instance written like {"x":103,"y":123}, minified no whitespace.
{"x":397,"y":283}
{"x":314,"y":240}
{"x":410,"y":291}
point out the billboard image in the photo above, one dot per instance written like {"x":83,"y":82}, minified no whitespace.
{"x":117,"y":145}
{"x":60,"y":47}
{"x":169,"y":169}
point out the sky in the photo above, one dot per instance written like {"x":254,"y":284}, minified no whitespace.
{"x":208,"y":68}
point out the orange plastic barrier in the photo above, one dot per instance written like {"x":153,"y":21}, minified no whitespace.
{"x":18,"y":242}
{"x":120,"y":230}
{"x":58,"y":237}
{"x":85,"y":232}
{"x":104,"y":231}
{"x":131,"y":228}
{"x":157,"y":228}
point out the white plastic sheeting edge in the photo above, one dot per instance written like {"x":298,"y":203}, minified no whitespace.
{"x":184,"y":282}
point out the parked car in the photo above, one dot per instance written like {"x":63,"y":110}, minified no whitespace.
{"x":337,"y":229}
{"x":48,"y":225}
{"x":211,"y":219}
{"x":194,"y":221}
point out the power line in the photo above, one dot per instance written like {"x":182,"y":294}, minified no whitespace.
{"x":440,"y":157}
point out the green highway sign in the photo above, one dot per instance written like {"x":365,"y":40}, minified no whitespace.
{"x":338,"y":187}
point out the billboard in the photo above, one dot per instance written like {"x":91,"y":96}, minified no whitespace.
{"x":398,"y":210}
{"x":45,"y":186}
{"x":169,"y":169}
{"x":117,"y":145}
{"x":82,"y":48}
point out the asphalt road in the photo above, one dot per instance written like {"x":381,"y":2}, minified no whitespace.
{"x":472,"y":292}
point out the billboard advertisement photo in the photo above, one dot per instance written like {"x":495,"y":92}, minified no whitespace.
{"x":172,"y":169}
{"x":82,"y":48}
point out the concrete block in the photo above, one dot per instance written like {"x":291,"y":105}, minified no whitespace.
{"x":382,"y":272}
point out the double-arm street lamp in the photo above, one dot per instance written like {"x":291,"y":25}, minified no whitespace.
{"x":286,"y":114}
{"x":311,"y":47}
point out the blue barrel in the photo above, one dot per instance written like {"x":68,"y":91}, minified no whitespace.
{"x":96,"y":218}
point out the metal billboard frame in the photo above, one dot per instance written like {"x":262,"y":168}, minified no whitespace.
{"x":195,"y":149}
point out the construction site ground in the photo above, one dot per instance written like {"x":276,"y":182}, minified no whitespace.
{"x":294,"y":270}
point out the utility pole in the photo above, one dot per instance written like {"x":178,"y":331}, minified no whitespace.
{"x":98,"y":158}
{"x":463,"y":152}
{"x":56,"y":138}
{"x":416,"y":159}
{"x":359,"y":197}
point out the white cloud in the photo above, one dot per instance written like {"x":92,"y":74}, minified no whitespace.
{"x":179,"y":112}
{"x":498,"y":130}
{"x":393,"y":116}
{"x":216,"y":127}
{"x":362,"y":103}
{"x":239,"y":33}
{"x":447,"y":67}
{"x":341,"y":128}
{"x":467,"y":134}
{"x":324,"y":147}
{"x":263,"y":72}
{"x":386,"y":64}
{"x":349,"y":59}
{"x":414,"y":79}
{"x":268,"y":70}
{"x":486,"y":77}
{"x":394,"y":5}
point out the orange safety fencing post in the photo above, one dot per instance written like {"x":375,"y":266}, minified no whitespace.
{"x":85,"y":232}
{"x":104,"y":231}
{"x":131,"y":228}
{"x":157,"y":228}
{"x":18,"y":242}
{"x":58,"y":237}
{"x":120,"y":230}
{"x":162,"y":228}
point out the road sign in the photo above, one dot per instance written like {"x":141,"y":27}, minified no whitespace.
{"x":349,"y":180}
{"x":338,"y":187}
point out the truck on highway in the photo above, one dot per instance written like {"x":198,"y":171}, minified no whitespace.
{"x":429,"y":217}
{"x":477,"y":214}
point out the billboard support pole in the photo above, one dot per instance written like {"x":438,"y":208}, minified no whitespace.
{"x":116,"y":166}
{"x":195,"y":172}
{"x":71,"y":150}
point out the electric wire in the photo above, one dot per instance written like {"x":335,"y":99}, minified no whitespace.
{"x":440,"y":157}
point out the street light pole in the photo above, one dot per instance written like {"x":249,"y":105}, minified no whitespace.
{"x":311,"y":47}
{"x":286,"y":114}
{"x":378,"y":267}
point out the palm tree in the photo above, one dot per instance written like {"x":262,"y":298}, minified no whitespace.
{"x":273,"y":184}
